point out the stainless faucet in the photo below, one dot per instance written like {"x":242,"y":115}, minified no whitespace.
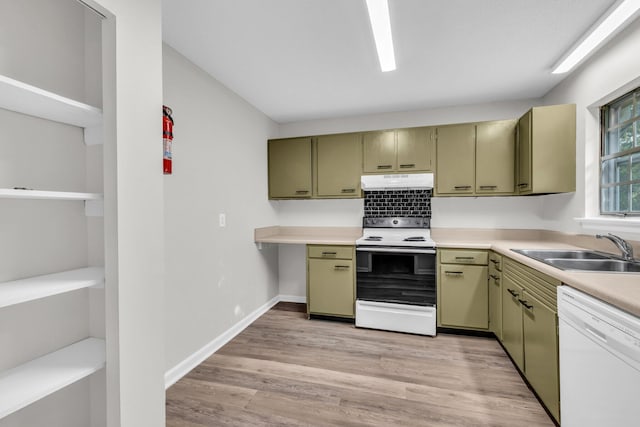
{"x":623,"y":245}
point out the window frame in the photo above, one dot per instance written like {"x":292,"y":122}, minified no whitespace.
{"x":634,"y":94}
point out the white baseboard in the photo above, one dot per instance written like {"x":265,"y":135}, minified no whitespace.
{"x":293,"y":298}
{"x":183,"y":368}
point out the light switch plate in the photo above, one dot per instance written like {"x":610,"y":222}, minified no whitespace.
{"x":222,"y":220}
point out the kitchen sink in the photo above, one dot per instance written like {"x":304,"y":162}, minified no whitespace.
{"x":604,"y":265}
{"x":561,"y":253}
{"x":582,"y":260}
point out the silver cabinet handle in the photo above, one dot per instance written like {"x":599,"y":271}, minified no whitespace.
{"x":408,"y":165}
{"x":488,"y":187}
{"x":524,"y":184}
{"x":348,"y":190}
{"x":340,"y":267}
{"x":302,"y":191}
{"x":465,"y":257}
{"x":453,"y":273}
{"x":495,"y":261}
{"x":384,"y":166}
{"x":329,"y":253}
{"x":462,"y":187}
{"x":513,"y":293}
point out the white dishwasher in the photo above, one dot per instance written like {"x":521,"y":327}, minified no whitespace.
{"x":599,"y":362}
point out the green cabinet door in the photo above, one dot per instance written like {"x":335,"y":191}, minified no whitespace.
{"x":289,"y":168}
{"x":553,"y":149}
{"x":495,"y":157}
{"x":339,"y":165}
{"x":455,"y":159}
{"x":512,"y":337}
{"x":540,"y":329}
{"x":330,"y":283}
{"x":547,"y":150}
{"x":415,"y":149}
{"x":524,"y":153}
{"x":464,"y":296}
{"x":379,"y":151}
{"x":495,"y":301}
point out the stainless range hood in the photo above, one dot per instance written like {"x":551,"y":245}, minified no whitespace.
{"x":397,"y":181}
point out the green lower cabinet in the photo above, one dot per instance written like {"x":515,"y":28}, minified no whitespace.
{"x":331,"y":280}
{"x":512,"y":336}
{"x":530,"y":329}
{"x":464,"y":296}
{"x":495,"y":301}
{"x":539,"y":324}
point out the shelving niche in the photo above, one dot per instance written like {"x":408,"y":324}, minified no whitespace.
{"x":39,"y":377}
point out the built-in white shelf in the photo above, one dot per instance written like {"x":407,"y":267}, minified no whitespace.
{"x":33,"y":288}
{"x":34,"y":380}
{"x":24,"y":98}
{"x":10,"y":193}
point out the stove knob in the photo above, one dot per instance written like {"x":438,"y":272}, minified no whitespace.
{"x":395,"y":221}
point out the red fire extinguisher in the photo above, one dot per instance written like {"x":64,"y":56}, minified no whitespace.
{"x":167,"y":139}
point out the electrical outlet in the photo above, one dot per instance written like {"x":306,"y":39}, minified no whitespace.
{"x":223,"y":220}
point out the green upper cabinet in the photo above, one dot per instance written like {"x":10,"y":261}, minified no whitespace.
{"x":546,"y":150}
{"x":289,"y":168}
{"x":495,"y":157}
{"x":402,"y":150}
{"x":415,"y":149}
{"x":455,"y":159}
{"x":524,"y":153}
{"x":379,"y":151}
{"x":533,"y":155}
{"x":338,"y":165}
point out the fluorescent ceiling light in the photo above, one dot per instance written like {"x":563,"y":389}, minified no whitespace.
{"x":618,"y":16}
{"x":381,"y":27}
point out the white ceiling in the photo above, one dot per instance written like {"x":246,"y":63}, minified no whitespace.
{"x":311,"y":59}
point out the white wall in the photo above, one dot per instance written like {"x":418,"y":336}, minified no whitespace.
{"x":215,"y":276}
{"x":611,"y":72}
{"x":428,"y":117}
{"x":134,"y":221}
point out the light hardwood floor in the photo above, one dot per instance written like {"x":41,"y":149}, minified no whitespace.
{"x":286,"y":370}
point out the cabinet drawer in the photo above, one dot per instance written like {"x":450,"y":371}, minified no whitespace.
{"x":495,"y":261}
{"x":495,"y":276}
{"x":330,"y":252}
{"x":536,"y":283}
{"x":454,"y":256}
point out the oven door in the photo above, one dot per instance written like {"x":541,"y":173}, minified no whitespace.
{"x":396,"y":275}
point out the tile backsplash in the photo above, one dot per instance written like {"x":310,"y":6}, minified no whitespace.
{"x":390,"y":203}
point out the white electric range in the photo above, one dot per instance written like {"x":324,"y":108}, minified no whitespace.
{"x":396,"y":276}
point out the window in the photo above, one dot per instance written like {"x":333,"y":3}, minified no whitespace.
{"x":620,"y":156}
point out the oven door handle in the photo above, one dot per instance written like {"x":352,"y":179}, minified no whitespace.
{"x":396,"y":250}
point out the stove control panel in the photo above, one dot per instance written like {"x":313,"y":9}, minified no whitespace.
{"x":396,"y":222}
